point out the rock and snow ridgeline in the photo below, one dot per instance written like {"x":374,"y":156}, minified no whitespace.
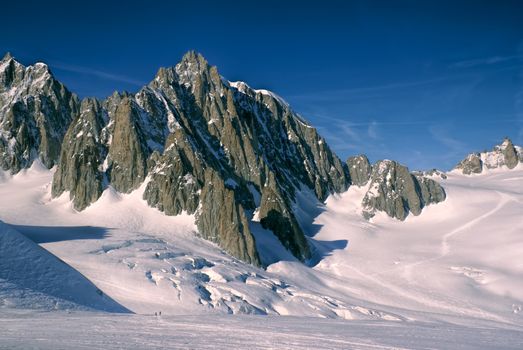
{"x":504,"y":155}
{"x":201,"y":145}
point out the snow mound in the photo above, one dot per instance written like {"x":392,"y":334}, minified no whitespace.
{"x":31,"y":277}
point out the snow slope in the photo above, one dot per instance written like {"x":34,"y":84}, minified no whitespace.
{"x":31,"y":277}
{"x":151,"y":262}
{"x":460,"y":258}
{"x":459,"y":263}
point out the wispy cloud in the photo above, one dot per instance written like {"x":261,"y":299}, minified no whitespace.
{"x":496,"y":119}
{"x":351,"y":138}
{"x":95,"y":73}
{"x":453,"y":78}
{"x":372,"y":130}
{"x":485,"y":61}
{"x":371,"y":90}
{"x":455,"y":148}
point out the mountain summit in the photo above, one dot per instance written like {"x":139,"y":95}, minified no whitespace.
{"x":35,"y":112}
{"x":195,"y":142}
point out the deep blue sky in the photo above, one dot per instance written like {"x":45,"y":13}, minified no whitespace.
{"x":422,"y":82}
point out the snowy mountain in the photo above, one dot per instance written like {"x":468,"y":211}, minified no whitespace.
{"x":198,"y":196}
{"x":233,"y":156}
{"x":35,"y":112}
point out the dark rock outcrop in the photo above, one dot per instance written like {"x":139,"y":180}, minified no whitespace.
{"x":359,"y":169}
{"x":128,"y":153}
{"x":471,"y":165}
{"x":395,"y":191}
{"x":505,"y":154}
{"x":80,"y":170}
{"x":222,"y":219}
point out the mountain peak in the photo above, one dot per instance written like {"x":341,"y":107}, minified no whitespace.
{"x":506,"y":143}
{"x":192,"y":64}
{"x":9,"y":61}
{"x":193,"y":56}
{"x":7,"y":56}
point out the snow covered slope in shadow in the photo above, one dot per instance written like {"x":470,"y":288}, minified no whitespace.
{"x":31,"y":277}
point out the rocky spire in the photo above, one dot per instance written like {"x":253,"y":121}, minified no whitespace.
{"x":128,"y":152}
{"x":7,"y":57}
{"x":359,"y":169}
{"x":81,"y":157}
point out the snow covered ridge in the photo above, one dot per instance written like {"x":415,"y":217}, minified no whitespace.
{"x":505,"y":155}
{"x":244,"y":88}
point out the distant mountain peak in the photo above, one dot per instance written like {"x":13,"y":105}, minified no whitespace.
{"x":505,"y":154}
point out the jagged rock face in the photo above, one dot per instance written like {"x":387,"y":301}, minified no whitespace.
{"x":205,"y":147}
{"x":505,"y":154}
{"x":245,"y":135}
{"x":286,"y":139}
{"x":471,"y":165}
{"x":359,"y":169}
{"x":275,"y":215}
{"x":431,"y":191}
{"x":395,"y":191}
{"x":225,"y":223}
{"x":35,"y":112}
{"x":510,"y":155}
{"x":80,"y":168}
{"x":177,"y":177}
{"x":128,"y":153}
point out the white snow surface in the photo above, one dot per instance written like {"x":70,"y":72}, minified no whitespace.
{"x":60,"y":330}
{"x":453,"y":275}
{"x":31,"y":277}
{"x":243,"y":86}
